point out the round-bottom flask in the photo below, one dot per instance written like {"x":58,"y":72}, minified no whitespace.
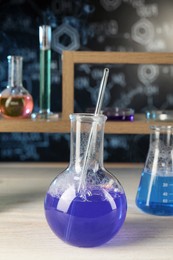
{"x":15,"y":100}
{"x":85,"y":205}
{"x":155,"y":191}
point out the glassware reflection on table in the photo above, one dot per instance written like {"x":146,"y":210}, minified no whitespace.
{"x":155,"y":191}
{"x":15,"y":100}
{"x":85,"y":204}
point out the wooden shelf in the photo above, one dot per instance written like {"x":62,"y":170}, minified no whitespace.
{"x":34,"y":126}
{"x":69,"y":59}
{"x":138,"y":126}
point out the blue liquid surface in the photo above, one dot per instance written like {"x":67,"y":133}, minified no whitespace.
{"x":155,"y":194}
{"x":87,"y":222}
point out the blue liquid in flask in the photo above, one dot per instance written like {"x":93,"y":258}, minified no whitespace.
{"x":86,"y":222}
{"x":155,"y":194}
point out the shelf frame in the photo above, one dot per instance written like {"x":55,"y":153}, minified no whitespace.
{"x":69,"y":58}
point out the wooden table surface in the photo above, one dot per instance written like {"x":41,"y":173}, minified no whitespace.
{"x":24,"y":233}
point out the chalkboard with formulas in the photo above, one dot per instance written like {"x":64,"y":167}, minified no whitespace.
{"x":97,"y":25}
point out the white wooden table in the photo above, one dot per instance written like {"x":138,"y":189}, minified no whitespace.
{"x":24,"y":233}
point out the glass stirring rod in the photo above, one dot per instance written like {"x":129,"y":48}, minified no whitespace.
{"x":92,"y":135}
{"x":101,"y":91}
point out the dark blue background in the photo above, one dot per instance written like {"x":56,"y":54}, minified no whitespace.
{"x":105,"y":25}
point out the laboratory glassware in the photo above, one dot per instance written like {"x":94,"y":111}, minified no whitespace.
{"x":85,"y":204}
{"x":155,"y":190}
{"x":45,"y":75}
{"x":15,"y":100}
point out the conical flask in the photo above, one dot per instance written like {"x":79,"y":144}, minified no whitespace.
{"x":85,"y":204}
{"x":155,"y":191}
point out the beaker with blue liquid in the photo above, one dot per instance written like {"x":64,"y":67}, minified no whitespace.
{"x":155,"y":190}
{"x":85,"y":204}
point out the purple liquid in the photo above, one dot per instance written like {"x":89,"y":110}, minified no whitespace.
{"x":87,"y":223}
{"x":120,"y":117}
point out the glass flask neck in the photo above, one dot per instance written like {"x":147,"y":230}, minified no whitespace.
{"x":161,"y":136}
{"x":15,"y":67}
{"x":159,"y":159}
{"x":86,"y":145}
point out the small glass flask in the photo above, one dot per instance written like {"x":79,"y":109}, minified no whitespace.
{"x":85,"y":204}
{"x":15,"y":100}
{"x":155,"y":191}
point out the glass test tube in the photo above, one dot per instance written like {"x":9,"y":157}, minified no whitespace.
{"x":45,"y":69}
{"x":45,"y":75}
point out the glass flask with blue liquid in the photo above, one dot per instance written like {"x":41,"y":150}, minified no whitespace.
{"x":85,"y":205}
{"x":155,"y":191}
